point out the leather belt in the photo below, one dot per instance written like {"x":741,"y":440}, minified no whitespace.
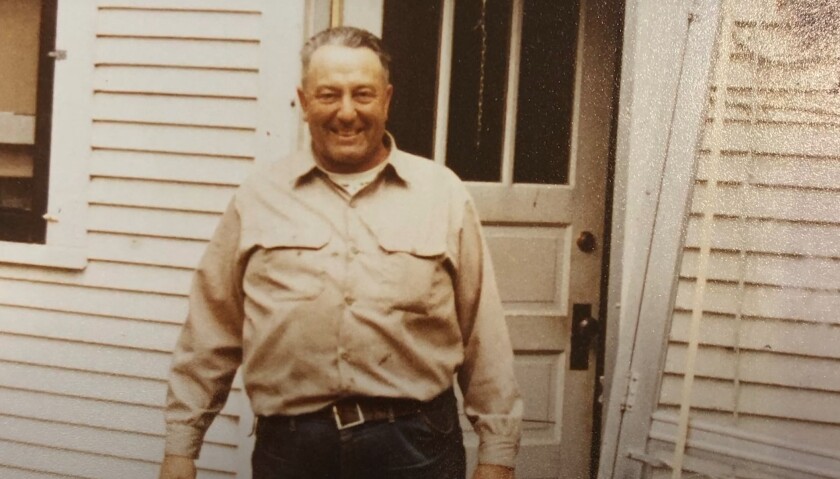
{"x":354,"y":411}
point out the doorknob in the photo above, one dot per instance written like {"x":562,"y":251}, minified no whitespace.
{"x":586,"y":242}
{"x":585,"y":329}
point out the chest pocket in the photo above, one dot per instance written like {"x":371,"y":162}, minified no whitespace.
{"x":289,"y":263}
{"x":412,"y":270}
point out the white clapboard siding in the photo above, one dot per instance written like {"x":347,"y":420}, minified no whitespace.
{"x":762,"y":301}
{"x":96,"y":301}
{"x":149,"y":337}
{"x":756,"y":399}
{"x":169,"y":167}
{"x":166,"y":109}
{"x":177,"y":81}
{"x":787,"y":429}
{"x":146,"y":251}
{"x":156,"y":223}
{"x":160,"y":195}
{"x":760,"y":367}
{"x":769,"y":236}
{"x":101,"y":414}
{"x":766,"y":170}
{"x":191,"y":24}
{"x":792,"y":204}
{"x":111,"y":275}
{"x":761,"y":334}
{"x":75,"y":464}
{"x":768,"y":359}
{"x":773,"y":270}
{"x":241,"y":56}
{"x":236,"y":142}
{"x":85,"y":355}
{"x":141,"y":447}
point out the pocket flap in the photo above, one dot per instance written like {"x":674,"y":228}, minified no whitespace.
{"x":299,"y":238}
{"x":404,"y":242}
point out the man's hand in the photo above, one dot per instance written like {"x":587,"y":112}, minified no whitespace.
{"x":177,"y":467}
{"x":492,"y":471}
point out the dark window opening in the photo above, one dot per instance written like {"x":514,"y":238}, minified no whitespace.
{"x":481,"y":39}
{"x":27,"y":36}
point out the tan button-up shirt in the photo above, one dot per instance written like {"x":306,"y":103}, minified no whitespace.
{"x":320,"y":296}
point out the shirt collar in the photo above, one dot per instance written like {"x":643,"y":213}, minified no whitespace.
{"x":303,"y":164}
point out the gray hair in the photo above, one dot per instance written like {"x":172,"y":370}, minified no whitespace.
{"x":346,"y":37}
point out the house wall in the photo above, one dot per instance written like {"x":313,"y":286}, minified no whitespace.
{"x":763,"y":284}
{"x":769,"y":168}
{"x":178,"y":116}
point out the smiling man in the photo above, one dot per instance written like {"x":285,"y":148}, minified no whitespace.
{"x":352,"y":283}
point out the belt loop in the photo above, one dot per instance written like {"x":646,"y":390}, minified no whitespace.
{"x":391,"y":415}
{"x":292,"y":424}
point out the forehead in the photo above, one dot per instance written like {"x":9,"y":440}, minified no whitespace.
{"x":331,"y":63}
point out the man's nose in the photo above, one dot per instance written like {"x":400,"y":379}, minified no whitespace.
{"x":347,"y":109}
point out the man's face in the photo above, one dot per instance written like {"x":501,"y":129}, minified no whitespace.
{"x":345,"y":97}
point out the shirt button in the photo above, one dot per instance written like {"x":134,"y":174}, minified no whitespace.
{"x":354,"y":250}
{"x":348,"y":299}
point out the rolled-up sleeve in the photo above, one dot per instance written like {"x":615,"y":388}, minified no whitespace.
{"x":209,"y":349}
{"x":491,"y":395}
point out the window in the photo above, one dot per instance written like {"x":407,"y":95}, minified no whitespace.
{"x":27,"y":36}
{"x":503,"y":64}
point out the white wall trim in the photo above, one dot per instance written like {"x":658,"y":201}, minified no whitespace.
{"x":70,"y":150}
{"x":666,"y":111}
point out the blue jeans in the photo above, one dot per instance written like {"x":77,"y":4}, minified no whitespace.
{"x":426,"y":445}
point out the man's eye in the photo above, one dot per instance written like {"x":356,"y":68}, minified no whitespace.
{"x":365,"y":96}
{"x":326,"y":97}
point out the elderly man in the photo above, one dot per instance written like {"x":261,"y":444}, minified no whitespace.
{"x":352,"y":284}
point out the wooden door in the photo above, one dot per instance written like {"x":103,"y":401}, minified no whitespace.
{"x":517,"y":98}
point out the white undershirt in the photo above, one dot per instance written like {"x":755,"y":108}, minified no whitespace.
{"x":353,"y":183}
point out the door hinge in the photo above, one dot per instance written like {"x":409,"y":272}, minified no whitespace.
{"x":632,"y":391}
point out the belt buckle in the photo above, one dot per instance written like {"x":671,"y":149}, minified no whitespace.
{"x":341,"y":425}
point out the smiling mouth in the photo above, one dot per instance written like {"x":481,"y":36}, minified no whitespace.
{"x":346,"y":134}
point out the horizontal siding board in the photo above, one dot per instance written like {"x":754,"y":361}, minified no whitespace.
{"x":143,"y":364}
{"x":759,"y":367}
{"x":148,"y":251}
{"x":778,"y":139}
{"x":223,"y":5}
{"x":161,"y":195}
{"x":176,"y":139}
{"x":17,"y":473}
{"x":179,"y":24}
{"x":169,"y":167}
{"x":158,"y":223}
{"x":104,"y":331}
{"x":772,"y":401}
{"x":102,"y":442}
{"x":772,"y":203}
{"x":766,"y":170}
{"x":72,"y":463}
{"x":177,"y":81}
{"x":796,"y":272}
{"x":198,"y":111}
{"x":98,"y":274}
{"x":763,"y":301}
{"x":804,"y":433}
{"x":744,"y":74}
{"x":769,"y":236}
{"x":177,"y":53}
{"x":116,"y":416}
{"x":100,"y":302}
{"x":808,"y":339}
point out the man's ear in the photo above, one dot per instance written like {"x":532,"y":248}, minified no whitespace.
{"x":304,"y":105}
{"x":389,"y":92}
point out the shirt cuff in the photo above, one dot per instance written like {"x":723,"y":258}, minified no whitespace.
{"x":183,"y":440}
{"x":498,"y":450}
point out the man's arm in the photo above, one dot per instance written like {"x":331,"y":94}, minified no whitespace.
{"x":209,"y":348}
{"x":491,"y":395}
